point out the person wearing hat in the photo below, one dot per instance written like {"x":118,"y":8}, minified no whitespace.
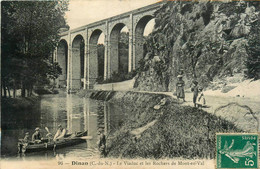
{"x":61,"y":132}
{"x":102,"y":142}
{"x":180,"y":88}
{"x":200,"y":99}
{"x":36,"y":137}
{"x":26,"y":137}
{"x":195,"y":91}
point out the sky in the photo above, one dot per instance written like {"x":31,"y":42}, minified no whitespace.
{"x":83,"y":12}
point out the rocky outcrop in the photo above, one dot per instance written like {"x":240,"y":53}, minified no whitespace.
{"x":202,"y":40}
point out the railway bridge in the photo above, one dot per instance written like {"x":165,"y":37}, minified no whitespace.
{"x":77,"y":51}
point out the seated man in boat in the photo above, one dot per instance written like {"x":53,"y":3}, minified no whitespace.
{"x":36,"y":137}
{"x":61,"y":132}
{"x":26,"y":138}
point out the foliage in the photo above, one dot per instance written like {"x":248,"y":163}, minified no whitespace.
{"x":101,"y":54}
{"x":232,"y":8}
{"x":117,"y":77}
{"x":122,"y":58}
{"x":29,"y":35}
{"x":253,"y":49}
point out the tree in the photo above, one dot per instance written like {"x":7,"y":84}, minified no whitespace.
{"x":253,"y":50}
{"x":30,"y":32}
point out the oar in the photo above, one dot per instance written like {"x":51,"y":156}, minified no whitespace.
{"x":83,"y":138}
{"x":86,"y":137}
{"x":49,"y":133}
{"x":54,"y":147}
{"x":46,"y":128}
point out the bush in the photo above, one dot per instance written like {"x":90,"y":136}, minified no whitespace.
{"x":117,"y":77}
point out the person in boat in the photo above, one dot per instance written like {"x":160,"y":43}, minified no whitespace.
{"x":49,"y":137}
{"x":26,"y":138}
{"x":61,"y":132}
{"x":102,"y":142}
{"x":180,"y":88}
{"x":36,"y":137}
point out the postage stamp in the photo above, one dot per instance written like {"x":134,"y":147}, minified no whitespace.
{"x":237,"y":150}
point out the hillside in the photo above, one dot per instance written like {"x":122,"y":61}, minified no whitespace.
{"x":206,"y":41}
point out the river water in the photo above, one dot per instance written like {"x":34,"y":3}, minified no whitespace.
{"x":71,"y":111}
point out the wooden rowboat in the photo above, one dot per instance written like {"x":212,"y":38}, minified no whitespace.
{"x":69,"y":140}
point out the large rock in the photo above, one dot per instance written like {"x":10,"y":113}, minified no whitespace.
{"x":241,"y":115}
{"x":204,"y":39}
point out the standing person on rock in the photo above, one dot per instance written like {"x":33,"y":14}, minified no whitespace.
{"x":195,"y":90}
{"x":180,"y":88}
{"x":201,"y":101}
{"x":101,"y":142}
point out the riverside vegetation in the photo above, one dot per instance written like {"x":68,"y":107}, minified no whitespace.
{"x":179,"y":131}
{"x":30,"y":33}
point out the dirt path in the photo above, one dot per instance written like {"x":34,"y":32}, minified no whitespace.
{"x":233,"y":113}
{"x":140,"y":130}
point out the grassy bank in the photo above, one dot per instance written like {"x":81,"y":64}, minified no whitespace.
{"x":15,"y":110}
{"x":19,"y":102}
{"x":179,"y":131}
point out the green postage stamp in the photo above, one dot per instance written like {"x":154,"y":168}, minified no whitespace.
{"x":237,"y":150}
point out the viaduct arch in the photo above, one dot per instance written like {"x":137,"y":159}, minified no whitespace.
{"x":62,"y":59}
{"x":93,"y":56}
{"x":77,"y":62}
{"x":77,"y":50}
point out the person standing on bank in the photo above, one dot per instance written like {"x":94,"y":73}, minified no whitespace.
{"x":61,"y":132}
{"x":201,"y":101}
{"x":102,"y":142}
{"x":195,"y":91}
{"x":36,"y":137}
{"x":180,"y":88}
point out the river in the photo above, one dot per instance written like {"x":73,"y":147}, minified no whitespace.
{"x":71,"y":111}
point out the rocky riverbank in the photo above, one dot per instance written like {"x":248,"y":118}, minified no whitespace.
{"x":169,"y":130}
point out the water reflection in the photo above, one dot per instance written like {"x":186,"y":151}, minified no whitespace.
{"x":74,"y":113}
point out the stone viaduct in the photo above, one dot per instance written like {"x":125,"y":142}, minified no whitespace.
{"x":77,"y":50}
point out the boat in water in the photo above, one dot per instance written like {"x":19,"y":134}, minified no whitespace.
{"x":47,"y":144}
